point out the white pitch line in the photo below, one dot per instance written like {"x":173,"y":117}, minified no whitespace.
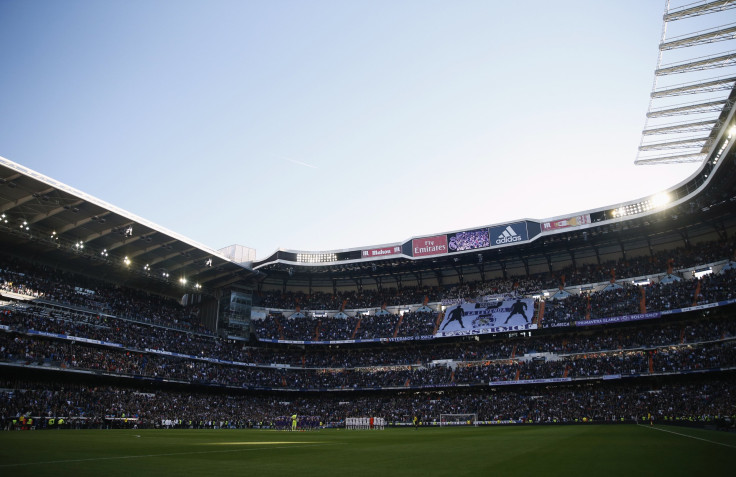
{"x":92,"y":459}
{"x":687,"y":435}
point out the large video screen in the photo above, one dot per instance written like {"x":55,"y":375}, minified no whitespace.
{"x":468,"y":240}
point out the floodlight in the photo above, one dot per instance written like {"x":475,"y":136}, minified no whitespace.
{"x":661,"y":199}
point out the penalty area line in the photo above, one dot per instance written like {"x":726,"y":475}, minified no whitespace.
{"x":144,"y":456}
{"x":688,"y":436}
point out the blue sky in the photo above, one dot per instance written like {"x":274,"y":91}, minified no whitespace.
{"x":320,"y":125}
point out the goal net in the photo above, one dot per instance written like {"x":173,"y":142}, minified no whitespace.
{"x":470,"y":419}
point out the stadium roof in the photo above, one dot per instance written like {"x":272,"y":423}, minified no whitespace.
{"x":40,"y":216}
{"x":45,"y":217}
{"x":697,"y":70}
{"x":699,"y":206}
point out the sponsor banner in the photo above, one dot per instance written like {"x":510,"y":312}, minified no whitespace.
{"x":367,"y":340}
{"x":557,"y":325}
{"x":74,"y":338}
{"x":427,"y":246}
{"x":240,"y":363}
{"x":446,"y":385}
{"x":97,"y":342}
{"x":170,"y":353}
{"x":700,"y":307}
{"x":619,"y":319}
{"x":565,"y":223}
{"x":508,"y":234}
{"x":46,"y":333}
{"x":478,"y":318}
{"x":4,"y":327}
{"x":409,"y":338}
{"x":468,"y":240}
{"x":611,"y":376}
{"x":297,"y":342}
{"x":498,"y":297}
{"x":531,"y":381}
{"x":381,"y":252}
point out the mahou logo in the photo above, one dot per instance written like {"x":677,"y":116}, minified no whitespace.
{"x":508,"y":236}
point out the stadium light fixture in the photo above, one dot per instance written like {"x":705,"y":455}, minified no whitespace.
{"x":197,"y":286}
{"x":183,"y":281}
{"x":316,"y":257}
{"x":79,"y":245}
{"x":126,"y":261}
{"x":660,"y":199}
{"x":165,"y":274}
{"x":4,"y":218}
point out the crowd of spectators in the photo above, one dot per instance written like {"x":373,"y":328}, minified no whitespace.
{"x":316,"y":300}
{"x":626,"y":299}
{"x":109,"y":406}
{"x":85,"y":294}
{"x":62,"y":354}
{"x":656,"y":263}
{"x":49,"y":285}
{"x":145,"y":338}
{"x":385,"y":325}
{"x":138,"y":328}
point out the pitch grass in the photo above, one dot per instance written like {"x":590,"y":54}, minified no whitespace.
{"x":590,"y":450}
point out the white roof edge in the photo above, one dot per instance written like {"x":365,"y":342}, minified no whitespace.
{"x":105,"y":205}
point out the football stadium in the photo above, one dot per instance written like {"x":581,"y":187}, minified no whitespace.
{"x":596,"y":342}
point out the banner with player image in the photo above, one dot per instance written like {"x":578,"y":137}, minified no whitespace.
{"x":495,"y":317}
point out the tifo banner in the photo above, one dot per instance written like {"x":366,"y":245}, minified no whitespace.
{"x":565,"y":223}
{"x":380,"y":252}
{"x":480,"y":318}
{"x":508,"y":234}
{"x":468,"y":240}
{"x":424,"y":247}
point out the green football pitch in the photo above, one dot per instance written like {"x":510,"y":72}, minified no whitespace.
{"x":590,"y":450}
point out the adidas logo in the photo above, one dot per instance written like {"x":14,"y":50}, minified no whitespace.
{"x":508,"y":236}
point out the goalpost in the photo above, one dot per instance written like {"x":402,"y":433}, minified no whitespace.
{"x":469,"y":419}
